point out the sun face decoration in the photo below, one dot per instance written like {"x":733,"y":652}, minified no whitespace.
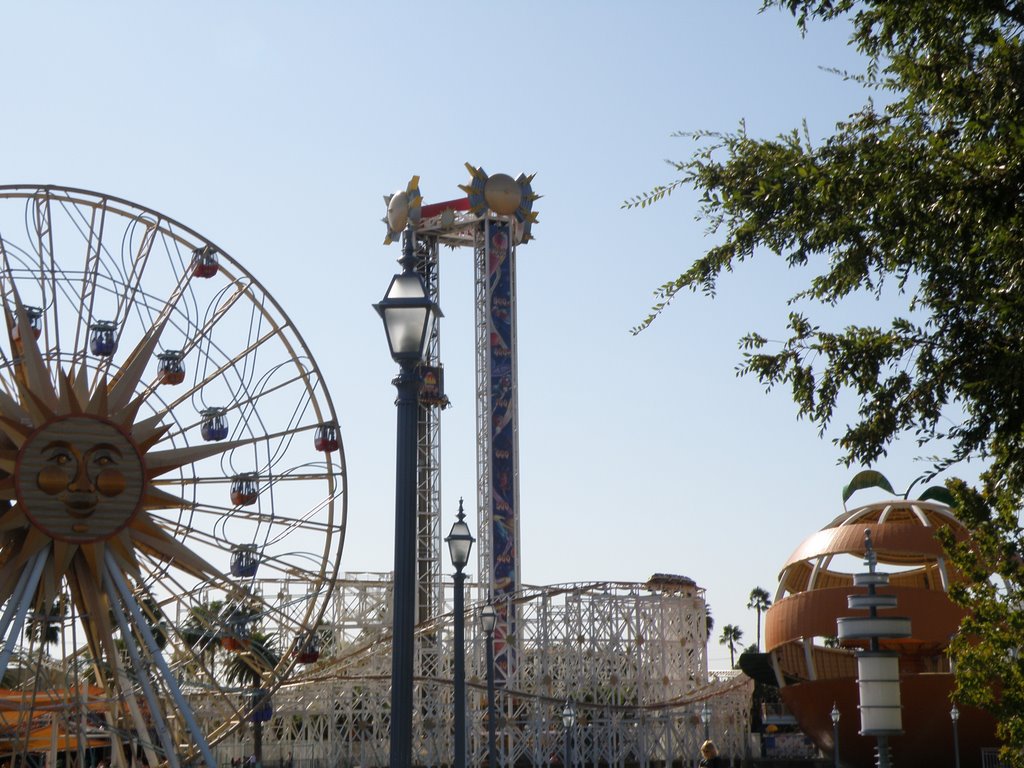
{"x":79,"y":478}
{"x":168,"y":449}
{"x":79,"y":474}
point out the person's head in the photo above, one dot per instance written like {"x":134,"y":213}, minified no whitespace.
{"x":708,"y":749}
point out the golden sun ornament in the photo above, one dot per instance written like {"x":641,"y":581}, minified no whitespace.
{"x":171,"y":484}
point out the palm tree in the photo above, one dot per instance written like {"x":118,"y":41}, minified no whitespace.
{"x":709,"y":620}
{"x":731,"y":635}
{"x":759,"y":601}
{"x":46,"y":627}
{"x":250,"y":666}
{"x":200,"y":631}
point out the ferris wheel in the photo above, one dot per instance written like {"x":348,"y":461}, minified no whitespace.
{"x":168,"y":449}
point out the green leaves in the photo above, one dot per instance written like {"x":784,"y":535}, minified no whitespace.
{"x":919,"y":203}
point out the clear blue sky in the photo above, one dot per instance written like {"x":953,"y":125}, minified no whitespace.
{"x":274,"y":129}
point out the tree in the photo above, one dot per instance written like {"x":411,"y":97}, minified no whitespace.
{"x":44,"y":628}
{"x":759,"y":601}
{"x":917,"y":202}
{"x":250,"y":667}
{"x":731,"y":636}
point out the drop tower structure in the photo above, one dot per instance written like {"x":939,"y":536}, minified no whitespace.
{"x":494,"y":218}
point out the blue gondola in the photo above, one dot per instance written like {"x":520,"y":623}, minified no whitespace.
{"x":245,"y":561}
{"x":102,"y":340}
{"x":262,"y":706}
{"x":215,"y":424}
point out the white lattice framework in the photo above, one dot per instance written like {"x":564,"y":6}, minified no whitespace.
{"x":632,"y":656}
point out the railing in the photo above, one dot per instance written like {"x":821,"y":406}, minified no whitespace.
{"x":776,"y":713}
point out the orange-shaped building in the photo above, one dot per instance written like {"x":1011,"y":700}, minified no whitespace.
{"x":813,"y":673}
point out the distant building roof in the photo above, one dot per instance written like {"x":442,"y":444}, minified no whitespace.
{"x":670,"y":581}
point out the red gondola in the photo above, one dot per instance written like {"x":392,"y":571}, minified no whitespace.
{"x":326,"y":438}
{"x":35,"y":322}
{"x":307,"y":649}
{"x":171,"y":369}
{"x":244,"y":489}
{"x":204,"y":261}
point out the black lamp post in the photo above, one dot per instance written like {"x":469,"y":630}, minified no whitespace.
{"x":954,"y":715}
{"x":408,"y":315}
{"x":835,"y":734}
{"x":460,"y":543}
{"x":705,"y":717}
{"x":488,"y":620}
{"x":568,"y":721}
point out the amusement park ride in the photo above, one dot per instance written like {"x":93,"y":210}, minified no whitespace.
{"x":173,"y":507}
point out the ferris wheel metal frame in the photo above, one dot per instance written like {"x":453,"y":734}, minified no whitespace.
{"x":167,"y":446}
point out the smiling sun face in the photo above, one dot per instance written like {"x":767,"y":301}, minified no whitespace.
{"x":78,"y":481}
{"x":79,"y":478}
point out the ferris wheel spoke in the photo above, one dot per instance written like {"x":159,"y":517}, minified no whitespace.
{"x":214,"y":375}
{"x":15,"y":620}
{"x":113,"y":575}
{"x":141,"y":678}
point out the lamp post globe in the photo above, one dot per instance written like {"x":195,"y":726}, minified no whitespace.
{"x":488,"y":621}
{"x":568,"y":721}
{"x":954,"y":715}
{"x":460,"y":543}
{"x":705,"y":718}
{"x":834,"y":714}
{"x":408,"y":314}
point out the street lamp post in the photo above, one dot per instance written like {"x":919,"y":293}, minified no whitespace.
{"x":835,"y":734}
{"x":568,"y":721}
{"x":460,"y":543}
{"x":878,"y":671}
{"x":488,"y":620}
{"x":408,"y":315}
{"x":705,"y":717}
{"x":954,"y":715}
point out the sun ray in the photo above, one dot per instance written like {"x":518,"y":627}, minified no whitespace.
{"x":154,"y":498}
{"x":97,"y":405}
{"x":69,"y":400}
{"x":145,"y":531}
{"x":121,"y":546}
{"x":13,"y":518}
{"x":63,"y":554}
{"x":33,"y":369}
{"x":127,"y":378}
{"x":159,"y":462}
{"x":11,"y":408}
{"x":35,"y":542}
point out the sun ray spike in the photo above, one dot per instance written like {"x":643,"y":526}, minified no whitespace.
{"x":82,"y":383}
{"x":155,"y":498}
{"x":33,"y":367}
{"x":158,"y":462}
{"x":12,"y":408}
{"x":97,"y":405}
{"x":127,"y":379}
{"x":16,"y":430}
{"x":69,"y":400}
